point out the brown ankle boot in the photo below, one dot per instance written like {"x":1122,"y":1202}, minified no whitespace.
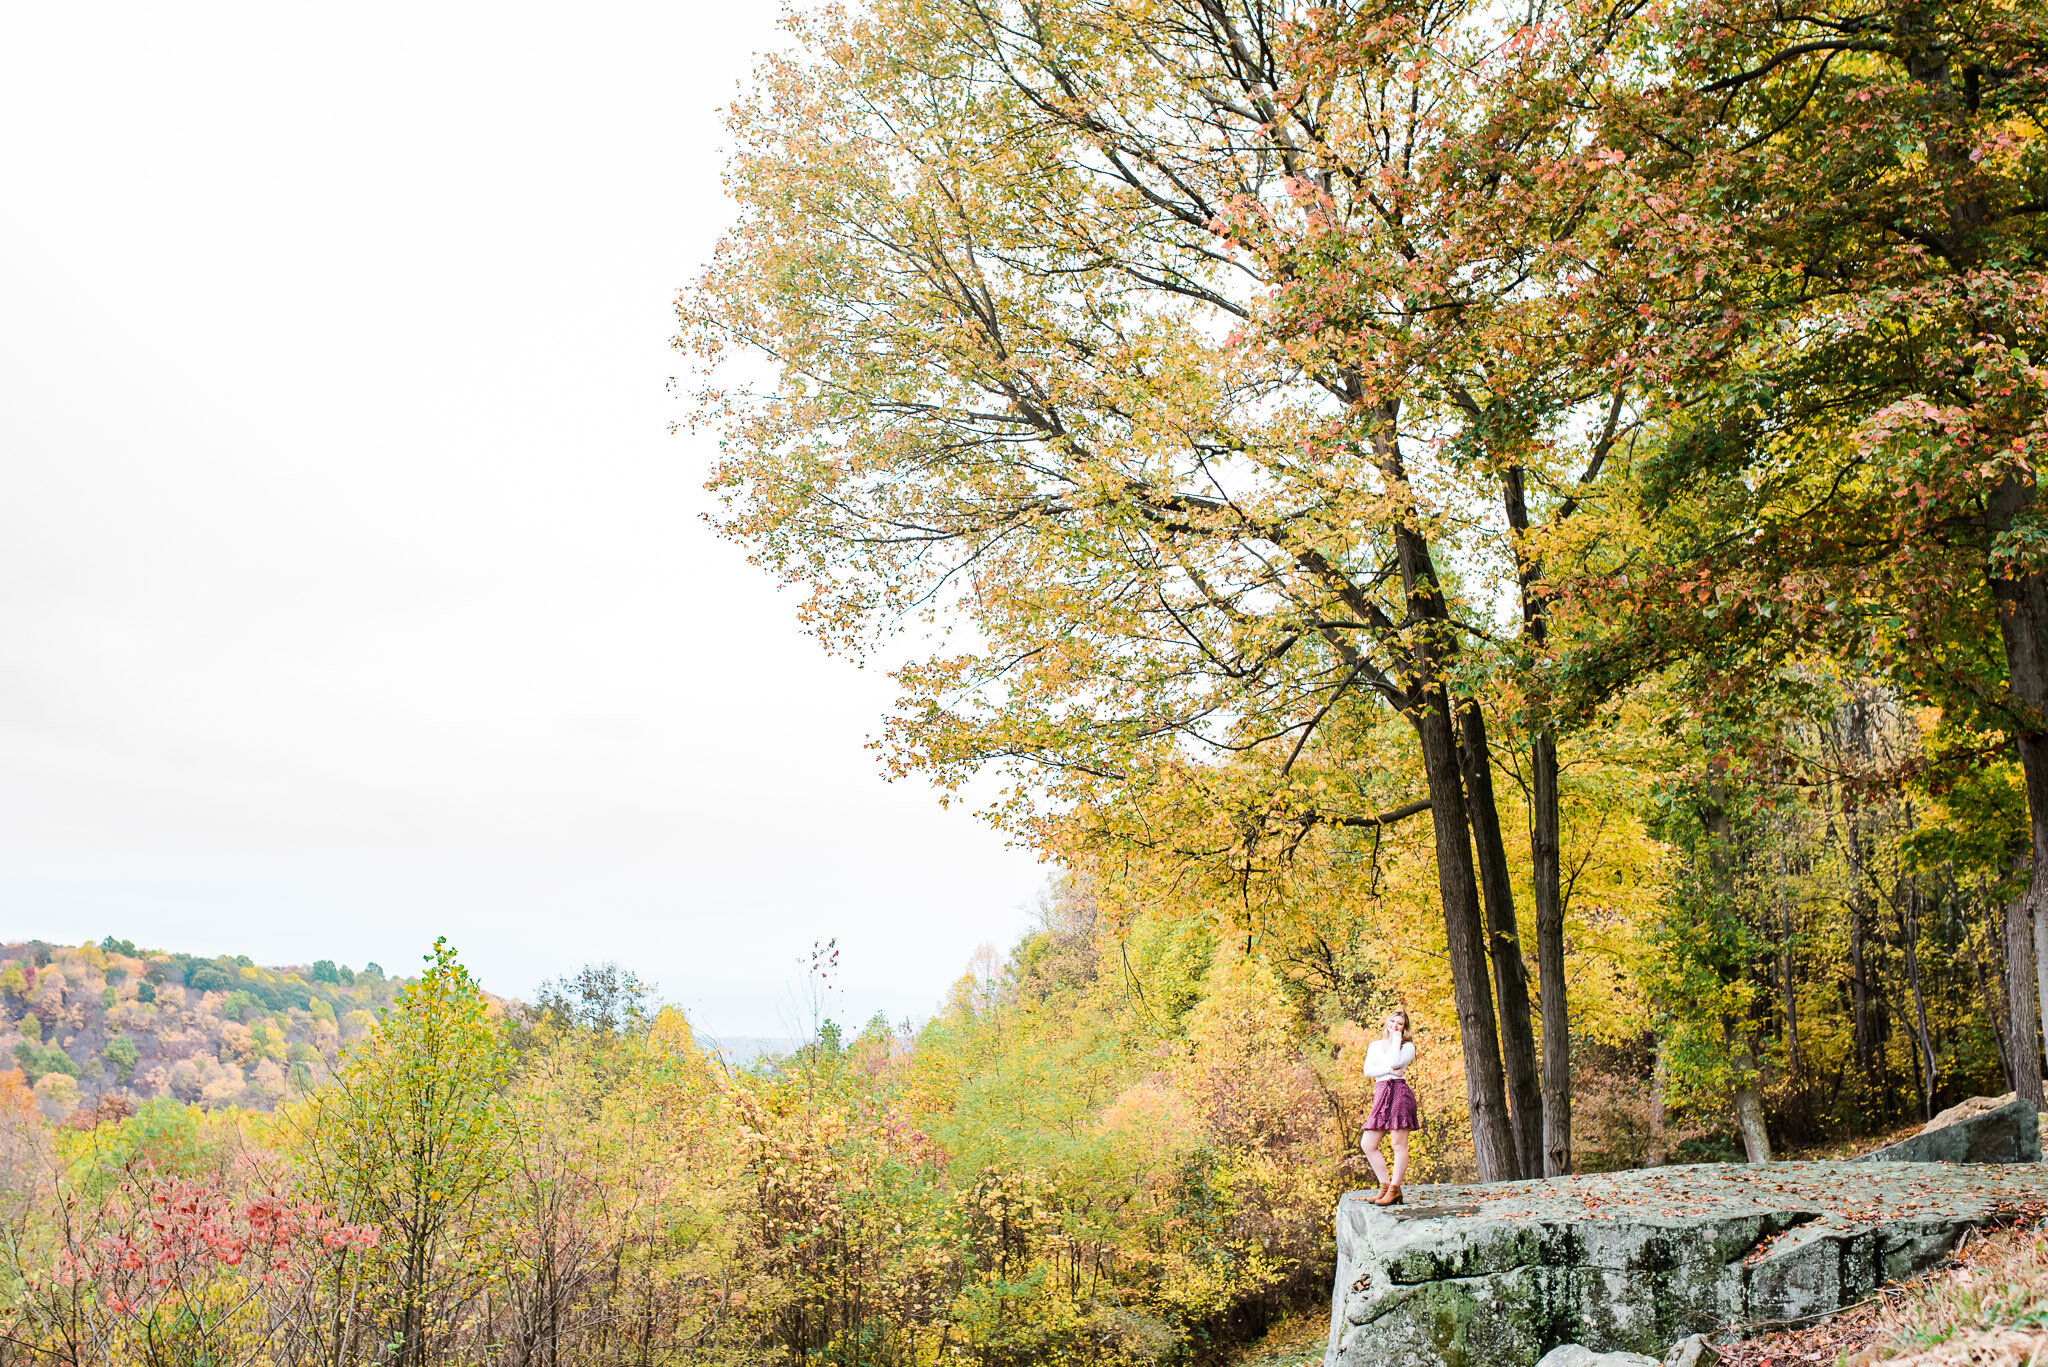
{"x":1379,"y":1198}
{"x":1393,"y":1196}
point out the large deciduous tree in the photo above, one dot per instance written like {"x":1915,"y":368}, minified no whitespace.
{"x":1835,"y":232}
{"x":1174,"y":353}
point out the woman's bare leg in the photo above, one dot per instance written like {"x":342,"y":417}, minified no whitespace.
{"x":1370,"y":1141}
{"x":1400,"y":1138}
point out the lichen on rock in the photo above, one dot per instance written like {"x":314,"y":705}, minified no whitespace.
{"x":1496,"y":1276}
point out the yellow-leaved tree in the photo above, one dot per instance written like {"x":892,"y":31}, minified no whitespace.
{"x":408,"y":1137}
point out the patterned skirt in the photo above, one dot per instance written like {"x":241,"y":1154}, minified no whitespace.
{"x":1393,"y":1107}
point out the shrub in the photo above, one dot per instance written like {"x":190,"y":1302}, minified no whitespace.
{"x":121,"y":1052}
{"x":208,"y":979}
{"x":57,"y":1094}
{"x":39,"y":1061}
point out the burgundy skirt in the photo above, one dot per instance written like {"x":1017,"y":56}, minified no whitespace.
{"x":1393,"y":1107}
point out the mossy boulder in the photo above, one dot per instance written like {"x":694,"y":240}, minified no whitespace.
{"x":1496,"y":1276}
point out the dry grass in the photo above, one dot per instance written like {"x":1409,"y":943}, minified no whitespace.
{"x":1986,"y":1305}
{"x":1992,"y":1307}
{"x":1849,"y":1148}
{"x":1297,"y":1341}
{"x":1983,"y":1348}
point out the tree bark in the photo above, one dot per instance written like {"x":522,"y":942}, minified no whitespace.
{"x":1787,"y":988}
{"x":2023,"y":624}
{"x":1550,"y":988}
{"x":1493,"y":1136}
{"x":1991,"y":1016}
{"x":2023,"y":1026}
{"x":1862,"y":1035}
{"x":1660,"y":1078}
{"x":1864,"y":1032}
{"x":1436,"y":729}
{"x":1503,"y":942}
{"x":1909,"y":938}
{"x":2041,"y":958}
{"x":1546,"y":880}
{"x":1749,"y":1122}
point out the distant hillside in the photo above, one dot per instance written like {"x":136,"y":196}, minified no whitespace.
{"x":93,"y":1025}
{"x":739,"y":1051}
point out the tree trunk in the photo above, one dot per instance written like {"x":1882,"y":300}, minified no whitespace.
{"x":1544,"y":842}
{"x":1749,"y":1105}
{"x":2041,"y":955}
{"x":1493,"y":1136}
{"x":1660,"y":1079}
{"x":1787,"y":987}
{"x":1550,"y":989}
{"x":1991,"y":1015}
{"x":1503,"y":942}
{"x":1861,"y":1032}
{"x":1909,"y":936}
{"x":1867,"y":1004}
{"x":2022,"y":601}
{"x":2023,"y":1024}
{"x":1749,"y":1121}
{"x":1429,"y":712}
{"x":2023,"y":626}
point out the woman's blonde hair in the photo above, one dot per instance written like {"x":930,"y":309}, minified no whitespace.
{"x":1407,"y":1037}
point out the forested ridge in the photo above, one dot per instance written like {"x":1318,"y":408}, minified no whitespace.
{"x":109,"y":1023}
{"x":1120,"y":1142}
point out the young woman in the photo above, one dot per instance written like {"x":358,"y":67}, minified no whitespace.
{"x":1393,"y":1105}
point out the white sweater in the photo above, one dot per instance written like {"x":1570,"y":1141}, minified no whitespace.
{"x":1384,"y":1061}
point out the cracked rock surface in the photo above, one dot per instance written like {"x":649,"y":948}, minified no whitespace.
{"x":1496,"y":1276}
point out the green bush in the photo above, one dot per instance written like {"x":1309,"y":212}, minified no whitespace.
{"x":38,"y":1060}
{"x":208,"y":979}
{"x":121,"y":1052}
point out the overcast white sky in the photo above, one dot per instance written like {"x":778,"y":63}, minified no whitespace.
{"x":352,"y":590}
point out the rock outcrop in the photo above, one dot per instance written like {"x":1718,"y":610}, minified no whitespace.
{"x":1496,"y":1276}
{"x":1578,"y":1355}
{"x":1980,"y":1130}
{"x":1692,"y":1351}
